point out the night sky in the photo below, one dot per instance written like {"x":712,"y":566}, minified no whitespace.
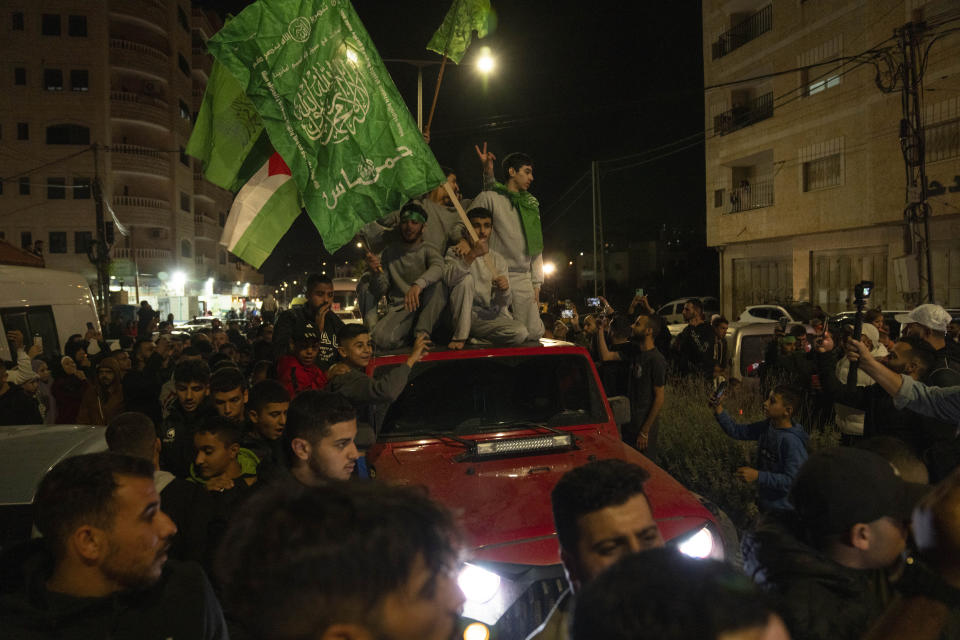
{"x":575,"y":81}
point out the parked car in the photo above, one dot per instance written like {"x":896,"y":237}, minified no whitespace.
{"x":197,"y":324}
{"x":26,"y":454}
{"x":489,"y":432}
{"x":793,"y":312}
{"x":345,"y":300}
{"x":672,"y":312}
{"x":45,"y":305}
{"x":747,"y":342}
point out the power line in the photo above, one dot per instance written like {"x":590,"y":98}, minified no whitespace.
{"x":46,"y":164}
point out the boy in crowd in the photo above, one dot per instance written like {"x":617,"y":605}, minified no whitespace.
{"x":362,"y":391}
{"x":517,"y":234}
{"x":409,"y":273}
{"x":221,"y":463}
{"x":646,"y":382}
{"x":781,"y":448}
{"x":318,"y":310}
{"x":228,"y":388}
{"x":266,"y":420}
{"x":191,"y":409}
{"x":297,"y":370}
{"x":479,"y":298}
{"x":346,"y":560}
{"x":321,"y":431}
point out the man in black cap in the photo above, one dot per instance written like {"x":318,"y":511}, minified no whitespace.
{"x":409,"y":273}
{"x":831,"y":564}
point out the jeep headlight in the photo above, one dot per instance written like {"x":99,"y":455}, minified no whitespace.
{"x":478,"y":584}
{"x":701,"y":543}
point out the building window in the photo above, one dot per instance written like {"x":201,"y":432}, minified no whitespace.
{"x":942,"y":140}
{"x":20,"y":76}
{"x":77,"y":26}
{"x":184,"y":110}
{"x":185,"y":201}
{"x":23,"y":131}
{"x":717,"y":198}
{"x":57,"y":242}
{"x":3,"y":235}
{"x":223,"y":257}
{"x":26,"y":240}
{"x":184,"y":158}
{"x":822,"y":173}
{"x":53,"y":79}
{"x":50,"y":24}
{"x":1,"y":193}
{"x":81,"y":188}
{"x":185,"y":249}
{"x":182,"y":19}
{"x":223,"y":219}
{"x":822,"y":85}
{"x":24,"y":186}
{"x":68,"y":134}
{"x":17,"y":21}
{"x":79,"y":80}
{"x":82,"y":241}
{"x":56,"y":188}
{"x":183,"y":64}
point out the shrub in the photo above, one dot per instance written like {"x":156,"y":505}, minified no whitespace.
{"x":694,"y":449}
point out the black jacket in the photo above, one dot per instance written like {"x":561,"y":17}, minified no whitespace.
{"x":821,"y":600}
{"x":294,"y":317}
{"x":180,"y":605}
{"x":176,"y":433}
{"x":16,"y":407}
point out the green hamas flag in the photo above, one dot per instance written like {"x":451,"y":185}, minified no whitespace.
{"x":454,"y":35}
{"x":228,"y":136}
{"x":330,"y":109}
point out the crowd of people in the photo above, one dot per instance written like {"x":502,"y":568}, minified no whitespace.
{"x":235,"y":455}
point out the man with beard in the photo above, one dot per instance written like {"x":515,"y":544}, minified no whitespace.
{"x":101,"y":568}
{"x":693,"y":348}
{"x":104,"y":399}
{"x":409,"y":274}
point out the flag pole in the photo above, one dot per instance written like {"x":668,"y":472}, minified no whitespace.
{"x":470,"y":230}
{"x":433,"y":105}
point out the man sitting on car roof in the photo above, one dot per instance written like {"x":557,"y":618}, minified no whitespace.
{"x":601,"y":514}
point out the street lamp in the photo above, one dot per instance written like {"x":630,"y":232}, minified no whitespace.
{"x":549,"y":269}
{"x":485,"y":62}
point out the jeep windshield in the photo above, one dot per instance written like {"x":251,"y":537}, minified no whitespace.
{"x":482,"y":394}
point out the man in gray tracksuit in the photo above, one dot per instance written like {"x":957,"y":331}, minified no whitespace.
{"x":478,"y":297}
{"x":517,"y":235}
{"x":409,"y":273}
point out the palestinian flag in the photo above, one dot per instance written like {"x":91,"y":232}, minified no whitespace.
{"x":262,"y":212}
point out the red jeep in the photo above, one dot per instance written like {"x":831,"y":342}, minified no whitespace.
{"x":489,"y":432}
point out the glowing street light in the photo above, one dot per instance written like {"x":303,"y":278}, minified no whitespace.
{"x":485,"y":62}
{"x":549,"y":269}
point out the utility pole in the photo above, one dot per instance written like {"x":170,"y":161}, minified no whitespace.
{"x":599,"y":260}
{"x":594,"y":175}
{"x":912,"y":143}
{"x":99,"y":252}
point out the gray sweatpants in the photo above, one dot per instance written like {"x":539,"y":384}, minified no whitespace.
{"x":499,"y":330}
{"x":524,"y":306}
{"x":394,"y":330}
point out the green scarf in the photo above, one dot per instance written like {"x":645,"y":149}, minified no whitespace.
{"x":529,"y":208}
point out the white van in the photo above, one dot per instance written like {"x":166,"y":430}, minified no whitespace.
{"x":44,"y":305}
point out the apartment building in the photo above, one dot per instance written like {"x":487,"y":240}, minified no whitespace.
{"x":805,"y":178}
{"x":126,"y":76}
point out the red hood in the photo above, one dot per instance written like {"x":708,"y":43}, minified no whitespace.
{"x":504,"y":506}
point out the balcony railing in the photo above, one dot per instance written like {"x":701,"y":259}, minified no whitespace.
{"x":139,"y":57}
{"x":743,"y":32}
{"x":741,"y":116}
{"x":135,"y":106}
{"x":201,"y":21}
{"x":123,"y":253}
{"x":202,"y":61}
{"x":750,"y":195}
{"x":136,"y":159}
{"x":205,"y":228}
{"x":142,"y":212}
{"x":153,"y":12}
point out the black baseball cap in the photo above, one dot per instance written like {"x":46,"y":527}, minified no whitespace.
{"x":840,"y":487}
{"x":306,"y":332}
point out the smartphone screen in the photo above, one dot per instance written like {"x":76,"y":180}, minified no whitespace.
{"x":593,"y":302}
{"x":566,"y":313}
{"x":639,"y":293}
{"x":37,"y":340}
